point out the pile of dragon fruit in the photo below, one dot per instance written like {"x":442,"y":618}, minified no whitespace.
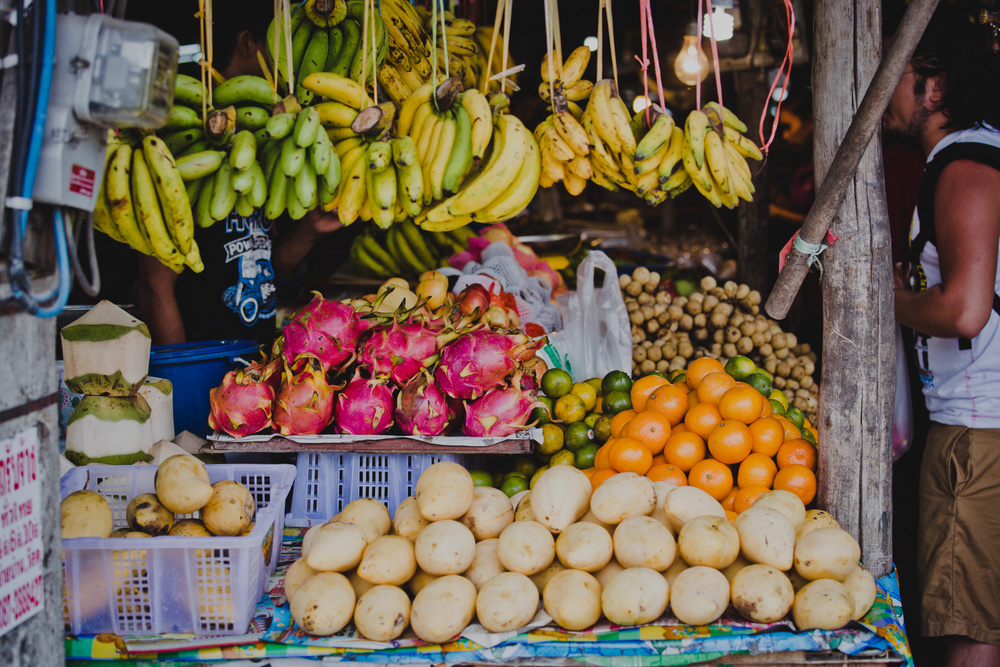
{"x":344,"y":368}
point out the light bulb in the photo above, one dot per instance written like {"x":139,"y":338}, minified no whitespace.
{"x":722,"y":22}
{"x":691,"y":65}
{"x":639,"y":103}
{"x":591,"y":43}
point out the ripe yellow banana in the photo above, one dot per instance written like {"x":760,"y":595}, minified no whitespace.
{"x":572,"y":132}
{"x":337,"y":88}
{"x":352,"y":192}
{"x":149,"y":214}
{"x":515,"y":144}
{"x":658,"y":136}
{"x":478,"y":108}
{"x":727,"y":117}
{"x":673,"y":155}
{"x":519,"y":193}
{"x":173,"y":197}
{"x":336,"y":114}
{"x":696,"y":127}
{"x":745,"y":147}
{"x":718,"y":163}
{"x":443,"y":145}
{"x":118,"y":199}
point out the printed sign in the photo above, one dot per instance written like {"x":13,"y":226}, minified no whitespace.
{"x":21,"y":595}
{"x":82,"y":181}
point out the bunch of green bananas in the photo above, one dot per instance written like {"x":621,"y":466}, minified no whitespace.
{"x":406,"y":251}
{"x":658,"y":170}
{"x":327,"y":36}
{"x":714,"y":155}
{"x":142,"y":202}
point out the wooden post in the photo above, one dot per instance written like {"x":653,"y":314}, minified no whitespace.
{"x":751,"y":93}
{"x":858,"y":379}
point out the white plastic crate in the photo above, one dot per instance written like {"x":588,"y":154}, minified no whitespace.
{"x":326,"y":481}
{"x":155,"y":585}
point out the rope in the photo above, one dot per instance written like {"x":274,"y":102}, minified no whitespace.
{"x":811,"y":251}
{"x":207,"y":50}
{"x":497,"y":22}
{"x":716,"y":65}
{"x":786,"y":69}
{"x":611,"y":40}
{"x":649,"y":33}
{"x":549,"y":38}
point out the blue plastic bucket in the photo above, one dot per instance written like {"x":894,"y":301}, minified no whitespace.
{"x":195,"y":369}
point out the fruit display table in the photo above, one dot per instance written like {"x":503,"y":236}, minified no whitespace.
{"x":879,"y":639}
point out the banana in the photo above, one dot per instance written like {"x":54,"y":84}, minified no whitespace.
{"x":512,"y":144}
{"x":352,"y":191}
{"x":678,"y":183}
{"x":718,"y":163}
{"x":578,"y":91}
{"x":383,"y":197}
{"x":457,"y":26}
{"x":481,"y":116}
{"x":258,"y":193}
{"x":301,"y":39}
{"x":169,"y":185}
{"x":305,"y":186}
{"x":460,"y":160}
{"x":572,"y":132}
{"x":364,"y":261}
{"x":275,"y":43}
{"x":295,"y":208}
{"x":740,"y":173}
{"x":553,"y":169}
{"x":117,"y":197}
{"x":392,"y":84}
{"x":327,"y":189}
{"x":658,"y":136}
{"x":379,"y":156}
{"x":384,"y":259}
{"x":325,"y":13}
{"x":600,"y":113}
{"x":744,"y":146}
{"x":243,"y":206}
{"x":601,"y":158}
{"x":292,"y":157}
{"x":223,"y":194}
{"x":182,"y":118}
{"x":243,"y":150}
{"x":147,"y":210}
{"x":337,"y":88}
{"x":410,"y":186}
{"x":243,"y":180}
{"x":181,"y":140}
{"x":402,"y":251}
{"x":430,"y":133}
{"x":580,"y":167}
{"x":404,"y":151}
{"x":244,"y":89}
{"x":340,"y":64}
{"x":344,"y":147}
{"x":647,"y":182}
{"x":321,"y":153}
{"x":193,"y":258}
{"x":198,"y":165}
{"x":575,"y":65}
{"x":280,"y":126}
{"x":652,"y":163}
{"x":727,"y":117}
{"x":695,"y":129}
{"x":277,"y":195}
{"x":410,"y":234}
{"x":332,"y":174}
{"x":460,"y":45}
{"x":313,"y":60}
{"x":408,"y":110}
{"x":552,"y":142}
{"x":443,"y":145}
{"x":519,"y":193}
{"x":187,"y":91}
{"x":251,"y":118}
{"x":203,"y":207}
{"x":700,"y":176}
{"x":306,"y":127}
{"x":673,"y":155}
{"x":193,"y":189}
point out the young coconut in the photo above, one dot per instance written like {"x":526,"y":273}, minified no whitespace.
{"x":105,"y":352}
{"x":109,"y":430}
{"x":159,"y":393}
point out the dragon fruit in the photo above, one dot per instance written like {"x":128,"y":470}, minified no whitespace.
{"x":421,"y":408}
{"x":402,"y":350}
{"x":365,"y":406}
{"x":325,"y":330}
{"x":241,"y":404}
{"x":304,"y":403}
{"x":480,"y":361}
{"x":499,"y":412}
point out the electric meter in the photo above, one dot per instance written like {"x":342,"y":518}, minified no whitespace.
{"x":107,"y":73}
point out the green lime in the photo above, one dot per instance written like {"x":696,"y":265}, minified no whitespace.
{"x":514,"y":484}
{"x":525,"y":464}
{"x":534,"y":478}
{"x":578,"y":435}
{"x":497,"y":478}
{"x":585,"y":456}
{"x":591,"y":419}
{"x":543,"y":413}
{"x":659,"y":374}
{"x":616,"y":381}
{"x":677,"y":375}
{"x":761,"y":370}
{"x":760,"y":382}
{"x":602,"y":429}
{"x":561,"y":457}
{"x":778,"y":395}
{"x":617,"y":401}
{"x":596,"y":384}
{"x":808,"y":435}
{"x":587,"y":393}
{"x":556,"y":382}
{"x":740,"y":367}
{"x":796,"y":416}
{"x":514,"y":473}
{"x":570,"y":408}
{"x":481,"y":477}
{"x":552,"y":439}
{"x":777,"y":407}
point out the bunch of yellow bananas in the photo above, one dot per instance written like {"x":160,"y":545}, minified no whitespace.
{"x":658,"y":170}
{"x":407,"y":65}
{"x":404,"y":250}
{"x":612,"y":140}
{"x":714,"y":155}
{"x":143,"y":203}
{"x":567,"y":80}
{"x":327,"y":36}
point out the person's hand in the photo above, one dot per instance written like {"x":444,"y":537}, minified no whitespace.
{"x":322,"y":222}
{"x":900,"y":276}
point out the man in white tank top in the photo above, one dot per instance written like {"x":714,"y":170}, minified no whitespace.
{"x":947,"y":97}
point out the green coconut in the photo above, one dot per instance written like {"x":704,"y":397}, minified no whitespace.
{"x":110,"y":430}
{"x":158,"y":392}
{"x":105,"y":352}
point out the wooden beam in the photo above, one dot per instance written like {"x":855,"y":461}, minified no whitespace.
{"x":753,"y":217}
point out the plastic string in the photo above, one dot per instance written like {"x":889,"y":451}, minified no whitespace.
{"x":646,"y":24}
{"x":286,"y":21}
{"x":716,"y":65}
{"x":497,"y":22}
{"x":811,"y":250}
{"x":549,"y":38}
{"x":786,"y":69}
{"x":600,"y":40}
{"x":611,"y":40}
{"x":506,"y":42}
{"x":207,"y":49}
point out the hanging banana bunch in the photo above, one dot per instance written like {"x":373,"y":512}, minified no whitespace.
{"x":407,"y":65}
{"x":715,"y":153}
{"x":564,"y":144}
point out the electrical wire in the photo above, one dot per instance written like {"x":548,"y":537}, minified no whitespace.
{"x":83,"y":226}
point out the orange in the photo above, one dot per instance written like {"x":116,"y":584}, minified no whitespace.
{"x":701,"y":367}
{"x":601,"y":476}
{"x":799,"y":451}
{"x":619,"y":420}
{"x":791,"y":430}
{"x":730,"y":441}
{"x":670,"y":401}
{"x":767,"y":410}
{"x":747,"y":496}
{"x":713,"y":386}
{"x":642,"y":388}
{"x":666,"y":472}
{"x":731,"y":515}
{"x":589,"y":472}
{"x":658,"y":459}
{"x":727,"y":502}
{"x":756,"y":470}
{"x":650,"y":428}
{"x":630,"y":455}
{"x":680,"y":428}
{"x":767,"y":434}
{"x":712,"y":476}
{"x":692,"y":399}
{"x":702,"y":418}
{"x":812,"y":430}
{"x":601,"y":458}
{"x":742,"y":403}
{"x":798,"y":479}
{"x":684,"y":450}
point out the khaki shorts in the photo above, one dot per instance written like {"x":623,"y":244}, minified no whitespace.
{"x":958,"y":549}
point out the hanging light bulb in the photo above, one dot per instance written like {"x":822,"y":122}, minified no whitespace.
{"x":691,"y":65}
{"x":721,"y":22}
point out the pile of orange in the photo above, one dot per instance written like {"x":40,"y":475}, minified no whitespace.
{"x":709,"y":431}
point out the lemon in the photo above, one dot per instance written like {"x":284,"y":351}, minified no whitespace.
{"x":570,"y":408}
{"x":525,"y":465}
{"x":796,"y":416}
{"x":678,"y":375}
{"x":578,"y":435}
{"x":563,"y":457}
{"x":808,"y":435}
{"x":740,"y":367}
{"x":761,"y":382}
{"x":481,"y":477}
{"x":552,"y":439}
{"x":587,"y":393}
{"x":778,"y":395}
{"x":596,"y":384}
{"x":777,"y":407}
{"x":556,"y":382}
{"x":591,"y":419}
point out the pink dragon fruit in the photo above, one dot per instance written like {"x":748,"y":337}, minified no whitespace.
{"x":499,"y":412}
{"x":402,"y":350}
{"x":325,"y":330}
{"x":304,"y":403}
{"x":480,"y":361}
{"x":241,"y":404}
{"x":365,"y":406}
{"x":421,"y":408}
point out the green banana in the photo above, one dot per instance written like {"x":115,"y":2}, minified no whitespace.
{"x":244,"y":179}
{"x":410,"y":183}
{"x":292,"y":157}
{"x":341,"y":64}
{"x":199,"y":165}
{"x":196,"y":147}
{"x":460,"y":160}
{"x":251,"y":118}
{"x":275,"y":44}
{"x":417,"y":243}
{"x":379,"y":156}
{"x":404,"y":151}
{"x":296,"y":209}
{"x":244,"y":89}
{"x":223,"y":194}
{"x":321,"y":152}
{"x":305,"y":186}
{"x":384,"y":188}
{"x":306,"y":127}
{"x":243,"y":150}
{"x":170,"y":189}
{"x":260,"y":136}
{"x":333,"y":172}
{"x":404,"y":256}
{"x":193,"y":189}
{"x":243,"y":206}
{"x":182,"y":118}
{"x":258,"y":193}
{"x":364,"y":261}
{"x":336,"y":36}
{"x":280,"y":125}
{"x":277,"y":195}
{"x":187,"y":91}
{"x":313,"y":60}
{"x":203,"y":207}
{"x":379,"y":254}
{"x":181,"y":140}
{"x":300,"y":42}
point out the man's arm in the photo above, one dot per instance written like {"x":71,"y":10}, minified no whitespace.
{"x":294,"y":242}
{"x":157,"y":302}
{"x":967,"y":225}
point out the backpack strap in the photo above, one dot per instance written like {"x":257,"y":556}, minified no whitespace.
{"x":976,"y":151}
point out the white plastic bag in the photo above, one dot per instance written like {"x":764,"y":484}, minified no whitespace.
{"x":596,"y":337}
